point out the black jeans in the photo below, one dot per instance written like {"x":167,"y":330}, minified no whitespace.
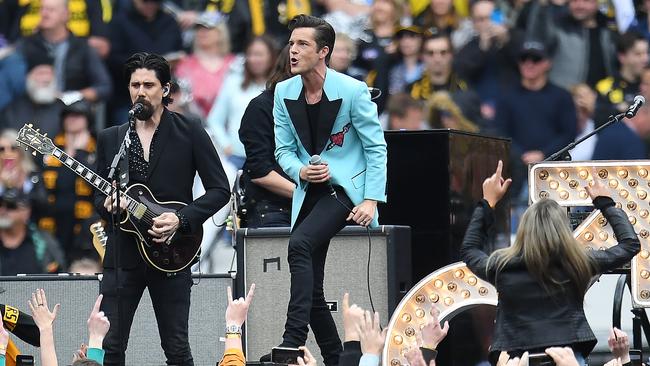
{"x":268,"y":214}
{"x":170,"y":295}
{"x":321,"y":217}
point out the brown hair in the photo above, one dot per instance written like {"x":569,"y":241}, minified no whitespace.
{"x":281,"y":70}
{"x":270,"y":46}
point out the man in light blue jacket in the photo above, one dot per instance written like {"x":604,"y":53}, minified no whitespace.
{"x":322,"y":112}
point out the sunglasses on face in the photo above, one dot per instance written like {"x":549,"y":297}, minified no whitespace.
{"x":9,"y":148}
{"x":533,"y":58}
{"x":9,"y":205}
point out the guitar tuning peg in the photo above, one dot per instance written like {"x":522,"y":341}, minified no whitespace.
{"x":38,"y":130}
{"x":30,"y":125}
{"x":45,"y":135}
{"x":34,"y":153}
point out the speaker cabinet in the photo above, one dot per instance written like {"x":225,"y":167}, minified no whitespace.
{"x":77,"y":294}
{"x":262,"y":259}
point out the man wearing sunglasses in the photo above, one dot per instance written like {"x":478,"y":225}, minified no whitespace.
{"x":539,"y":116}
{"x":24,"y":248}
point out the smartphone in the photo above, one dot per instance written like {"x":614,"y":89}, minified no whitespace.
{"x":497,"y":17}
{"x":24,"y":360}
{"x":540,"y":359}
{"x":636,"y":357}
{"x":285,"y":355}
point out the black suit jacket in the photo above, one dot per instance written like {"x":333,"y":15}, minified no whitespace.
{"x":182,"y":149}
{"x":528,"y":317}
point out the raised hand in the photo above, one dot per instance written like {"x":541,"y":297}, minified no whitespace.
{"x":414,"y":357}
{"x":433,"y":333}
{"x":597,"y":188}
{"x":370,"y":334}
{"x":352,"y":317}
{"x":43,"y":317}
{"x":505,"y":360}
{"x":495,"y":186}
{"x":237,"y":310}
{"x":619,"y":344}
{"x":98,"y":325}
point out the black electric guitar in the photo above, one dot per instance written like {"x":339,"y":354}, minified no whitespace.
{"x":141,"y":207}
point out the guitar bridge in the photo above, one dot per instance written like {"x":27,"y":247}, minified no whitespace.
{"x":139,"y":211}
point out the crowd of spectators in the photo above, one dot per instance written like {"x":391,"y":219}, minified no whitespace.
{"x":540,"y":72}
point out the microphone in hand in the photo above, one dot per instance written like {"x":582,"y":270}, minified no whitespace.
{"x":316,"y":160}
{"x":636,"y":105}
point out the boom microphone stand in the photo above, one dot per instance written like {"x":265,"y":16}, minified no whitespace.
{"x":120,"y":162}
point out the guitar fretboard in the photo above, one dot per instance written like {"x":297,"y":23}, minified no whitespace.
{"x":133,"y":206}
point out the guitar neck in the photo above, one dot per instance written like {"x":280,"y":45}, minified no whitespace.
{"x":94,"y":179}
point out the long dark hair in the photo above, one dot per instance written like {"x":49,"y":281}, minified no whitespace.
{"x":281,"y":70}
{"x":150,"y":61}
{"x":273,"y":52}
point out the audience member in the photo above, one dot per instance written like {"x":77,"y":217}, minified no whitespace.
{"x":372,"y":339}
{"x":543,"y":277}
{"x":583,"y":42}
{"x":12,"y":73}
{"x":78,"y":69}
{"x":240,"y":88}
{"x":438,"y":57}
{"x":25,"y":248}
{"x":352,"y":317}
{"x":70,"y":198}
{"x":407,"y":67}
{"x":606,"y":145}
{"x":641,"y":122}
{"x":444,"y":112}
{"x":385,"y":17}
{"x":40,"y":105}
{"x":347,"y":16}
{"x":18,"y":171}
{"x":85,"y":266}
{"x":88,"y":19}
{"x":144,"y":27}
{"x":236,"y":314}
{"x":487,"y":59}
{"x":44,"y":319}
{"x":181,"y":92}
{"x":617,"y":91}
{"x":537,"y":115}
{"x":268,"y":188}
{"x":440,"y":17}
{"x":405,"y":113}
{"x":206,"y":69}
{"x":344,"y":52}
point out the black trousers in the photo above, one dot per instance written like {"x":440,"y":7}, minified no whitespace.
{"x":170,"y":295}
{"x":321,"y":217}
{"x":268,"y":214}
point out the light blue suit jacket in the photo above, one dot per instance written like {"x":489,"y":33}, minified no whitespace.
{"x":350,"y":138}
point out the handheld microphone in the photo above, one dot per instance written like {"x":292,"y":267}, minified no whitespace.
{"x":136,"y":109}
{"x":634,"y":108}
{"x":316,"y":160}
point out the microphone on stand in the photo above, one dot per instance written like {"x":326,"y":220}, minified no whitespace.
{"x":316,"y":160}
{"x":636,"y":105}
{"x":136,"y":109}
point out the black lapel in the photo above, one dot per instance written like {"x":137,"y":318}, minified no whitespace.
{"x":298,"y":113}
{"x":329,"y":109}
{"x":164,"y":130}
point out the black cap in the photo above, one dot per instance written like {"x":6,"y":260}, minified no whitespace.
{"x":533,"y":48}
{"x":408,"y":30}
{"x":78,"y":107}
{"x":38,"y":58}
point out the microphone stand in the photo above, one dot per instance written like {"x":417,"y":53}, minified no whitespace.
{"x":118,"y":184}
{"x":563,"y":154}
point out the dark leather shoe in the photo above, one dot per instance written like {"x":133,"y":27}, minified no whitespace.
{"x":266,"y":358}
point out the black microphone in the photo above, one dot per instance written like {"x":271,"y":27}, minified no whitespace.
{"x":136,"y":109}
{"x":316,"y":160}
{"x":634,"y":108}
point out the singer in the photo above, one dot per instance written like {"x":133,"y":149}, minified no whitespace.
{"x":320,"y":111}
{"x":165,"y":152}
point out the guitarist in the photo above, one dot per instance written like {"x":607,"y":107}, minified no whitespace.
{"x":166,"y":151}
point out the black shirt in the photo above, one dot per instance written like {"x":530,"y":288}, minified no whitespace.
{"x":312,"y":115}
{"x":138,"y":166}
{"x":597,"y":69}
{"x":257,"y":135}
{"x":20,"y":260}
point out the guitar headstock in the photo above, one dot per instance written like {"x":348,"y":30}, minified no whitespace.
{"x":31,"y":137}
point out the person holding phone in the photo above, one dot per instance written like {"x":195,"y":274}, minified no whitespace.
{"x":542,"y":278}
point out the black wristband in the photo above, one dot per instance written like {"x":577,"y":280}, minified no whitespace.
{"x":183,"y":223}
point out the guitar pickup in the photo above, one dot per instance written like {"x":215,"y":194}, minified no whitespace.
{"x":139,"y":211}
